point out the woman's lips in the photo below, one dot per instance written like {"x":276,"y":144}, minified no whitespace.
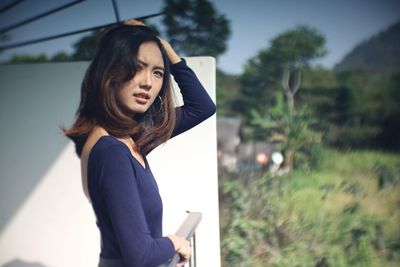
{"x":142,"y":98}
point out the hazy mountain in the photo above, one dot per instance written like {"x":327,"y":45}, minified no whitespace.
{"x":380,"y":53}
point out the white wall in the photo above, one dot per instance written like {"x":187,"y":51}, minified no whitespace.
{"x":45,"y":220}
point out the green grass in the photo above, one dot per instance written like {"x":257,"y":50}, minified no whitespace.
{"x":336,"y":212}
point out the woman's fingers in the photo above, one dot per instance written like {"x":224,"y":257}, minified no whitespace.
{"x":134,"y":22}
{"x":185,"y":250}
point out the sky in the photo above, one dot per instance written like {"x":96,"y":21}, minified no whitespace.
{"x":345,"y":23}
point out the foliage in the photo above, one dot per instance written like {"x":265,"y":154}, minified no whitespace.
{"x":61,"y":57}
{"x":374,"y":113}
{"x":258,"y":85}
{"x":293,"y":50}
{"x":336,"y":215}
{"x":330,"y":105}
{"x":354,"y":108}
{"x":291,"y":129}
{"x":25,"y":58}
{"x":227,"y":90}
{"x":319,"y":77}
{"x":371,"y":74}
{"x":195,"y":28}
{"x":85,"y":48}
{"x":297,"y":47}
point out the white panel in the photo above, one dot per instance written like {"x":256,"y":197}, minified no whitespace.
{"x":186,"y":172}
{"x":45,"y":220}
{"x":55,"y":225}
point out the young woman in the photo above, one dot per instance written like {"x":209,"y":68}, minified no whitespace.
{"x":127,"y":110}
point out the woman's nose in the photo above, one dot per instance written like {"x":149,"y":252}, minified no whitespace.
{"x":145,"y":80}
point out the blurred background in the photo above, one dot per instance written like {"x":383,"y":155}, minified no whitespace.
{"x":308,"y":114}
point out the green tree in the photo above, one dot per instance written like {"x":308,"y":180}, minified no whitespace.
{"x":227,"y":90}
{"x":297,"y":47}
{"x":85,"y":48}
{"x":195,"y":28}
{"x":389,"y":137}
{"x":25,"y":58}
{"x":374,"y":113}
{"x":271,"y":68}
{"x":61,"y":57}
{"x":292,"y":131}
{"x":369,"y":73}
{"x":318,"y":77}
{"x":265,"y":74}
{"x":40,"y":58}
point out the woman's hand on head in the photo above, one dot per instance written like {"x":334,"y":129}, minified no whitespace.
{"x":133,"y":22}
{"x":172,"y":55}
{"x":182,"y":247}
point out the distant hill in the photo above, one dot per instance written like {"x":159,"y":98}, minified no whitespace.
{"x":381,"y":53}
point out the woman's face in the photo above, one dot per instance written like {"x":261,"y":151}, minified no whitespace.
{"x":138,"y":94}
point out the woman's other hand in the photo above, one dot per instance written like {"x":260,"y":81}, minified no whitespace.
{"x":182,"y":247}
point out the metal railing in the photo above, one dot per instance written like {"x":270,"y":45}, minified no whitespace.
{"x":187,"y":230}
{"x":45,"y":14}
{"x":50,"y":12}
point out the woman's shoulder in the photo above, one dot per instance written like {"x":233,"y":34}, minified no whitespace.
{"x":108,"y":147}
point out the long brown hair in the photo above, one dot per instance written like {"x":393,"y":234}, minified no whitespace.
{"x":114,"y":64}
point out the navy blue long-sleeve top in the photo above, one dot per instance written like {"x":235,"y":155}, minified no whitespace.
{"x":124,"y":194}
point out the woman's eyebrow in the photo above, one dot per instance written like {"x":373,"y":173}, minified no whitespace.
{"x":146,"y":64}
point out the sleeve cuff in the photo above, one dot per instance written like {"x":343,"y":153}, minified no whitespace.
{"x":170,"y":247}
{"x":180,"y":64}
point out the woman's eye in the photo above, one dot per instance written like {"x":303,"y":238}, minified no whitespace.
{"x":159,"y":74}
{"x":139,"y":68}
